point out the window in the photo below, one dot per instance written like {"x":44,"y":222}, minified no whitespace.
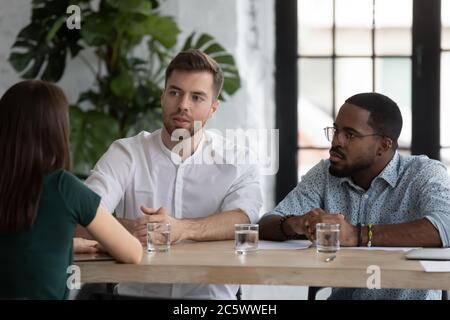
{"x":342,"y":52}
{"x":328,"y":50}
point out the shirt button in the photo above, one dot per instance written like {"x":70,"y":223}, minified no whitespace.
{"x":366,"y":196}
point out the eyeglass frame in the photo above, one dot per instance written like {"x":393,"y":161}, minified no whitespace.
{"x":352,"y":135}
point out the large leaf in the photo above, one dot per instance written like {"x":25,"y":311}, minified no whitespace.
{"x":163,"y":29}
{"x":41,"y":47}
{"x":207,"y":44}
{"x":92,"y":133}
{"x":98,"y":29}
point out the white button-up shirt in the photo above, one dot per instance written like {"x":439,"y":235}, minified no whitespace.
{"x":141,"y":171}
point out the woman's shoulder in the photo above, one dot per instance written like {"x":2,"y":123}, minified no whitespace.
{"x":65,"y":181}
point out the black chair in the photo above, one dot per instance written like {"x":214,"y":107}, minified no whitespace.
{"x":312,"y":292}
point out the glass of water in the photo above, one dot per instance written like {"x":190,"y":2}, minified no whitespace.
{"x":246,"y":238}
{"x":327,"y":237}
{"x":158,"y":237}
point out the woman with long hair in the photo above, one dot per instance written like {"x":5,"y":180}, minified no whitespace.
{"x":40,"y":202}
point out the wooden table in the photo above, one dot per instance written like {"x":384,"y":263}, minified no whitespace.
{"x":216,"y":262}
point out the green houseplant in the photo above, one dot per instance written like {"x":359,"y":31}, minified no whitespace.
{"x":133,"y":43}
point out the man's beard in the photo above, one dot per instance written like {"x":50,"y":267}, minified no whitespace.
{"x":349,"y":171}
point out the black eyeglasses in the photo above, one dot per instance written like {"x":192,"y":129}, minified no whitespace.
{"x":346,"y":136}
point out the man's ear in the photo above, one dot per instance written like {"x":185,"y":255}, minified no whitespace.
{"x":213,"y":108}
{"x":386,"y":144}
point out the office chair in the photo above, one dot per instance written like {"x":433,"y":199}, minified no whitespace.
{"x":312,"y":292}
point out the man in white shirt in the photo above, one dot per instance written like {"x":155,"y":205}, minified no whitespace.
{"x":153,"y":177}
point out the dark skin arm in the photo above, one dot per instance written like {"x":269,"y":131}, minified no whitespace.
{"x":269,"y":227}
{"x":417,"y":233}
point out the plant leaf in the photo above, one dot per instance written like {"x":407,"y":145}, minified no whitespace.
{"x":163,"y":29}
{"x":98,"y":29}
{"x":122,"y":86}
{"x":41,"y":46}
{"x":92,"y":133}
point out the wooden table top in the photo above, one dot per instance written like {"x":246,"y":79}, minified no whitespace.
{"x":216,"y":262}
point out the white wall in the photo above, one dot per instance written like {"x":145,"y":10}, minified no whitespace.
{"x":13,"y":16}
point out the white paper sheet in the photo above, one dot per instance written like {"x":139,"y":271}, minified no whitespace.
{"x":284,"y":245}
{"x":436,"y":266}
{"x":403,"y":249}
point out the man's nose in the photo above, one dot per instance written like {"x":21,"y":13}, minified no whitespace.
{"x":184,"y":103}
{"x":336,"y":141}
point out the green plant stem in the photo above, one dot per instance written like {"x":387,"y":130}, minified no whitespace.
{"x":116,"y":51}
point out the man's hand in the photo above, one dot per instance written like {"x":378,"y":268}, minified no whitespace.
{"x":348,"y":233}
{"x":303,"y":224}
{"x":81,"y":245}
{"x":160,"y":215}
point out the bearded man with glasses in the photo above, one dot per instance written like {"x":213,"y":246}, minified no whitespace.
{"x":379,"y":197}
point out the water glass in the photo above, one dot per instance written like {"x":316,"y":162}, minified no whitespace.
{"x":327,"y":237}
{"x":246,"y":237}
{"x":158,"y":237}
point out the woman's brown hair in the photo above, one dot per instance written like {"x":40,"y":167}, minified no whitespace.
{"x":34,"y":141}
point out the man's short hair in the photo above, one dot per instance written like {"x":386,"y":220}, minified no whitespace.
{"x":196,"y":60}
{"x":385,"y":117}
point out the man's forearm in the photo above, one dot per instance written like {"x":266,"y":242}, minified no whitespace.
{"x":269,"y":228}
{"x":418,"y":233}
{"x":218,"y":226}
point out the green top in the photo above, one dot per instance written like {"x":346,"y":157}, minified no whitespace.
{"x":34,"y":263}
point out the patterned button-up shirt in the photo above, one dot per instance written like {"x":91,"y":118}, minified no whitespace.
{"x":409,"y":188}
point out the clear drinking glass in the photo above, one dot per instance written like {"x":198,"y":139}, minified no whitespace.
{"x":246,"y":237}
{"x":158,"y":237}
{"x":327,"y":237}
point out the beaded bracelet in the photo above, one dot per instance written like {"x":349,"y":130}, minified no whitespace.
{"x":369,"y":235}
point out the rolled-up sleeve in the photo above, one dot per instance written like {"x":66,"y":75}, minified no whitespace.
{"x":245,"y":193}
{"x":111,"y":175}
{"x":307,"y":195}
{"x":435,"y":200}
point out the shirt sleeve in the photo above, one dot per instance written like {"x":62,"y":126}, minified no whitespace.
{"x":434,"y":201}
{"x":111,"y":174}
{"x":80,"y":200}
{"x":307,"y":195}
{"x":245,"y":193}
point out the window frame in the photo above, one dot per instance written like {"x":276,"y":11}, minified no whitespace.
{"x":425,"y":86}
